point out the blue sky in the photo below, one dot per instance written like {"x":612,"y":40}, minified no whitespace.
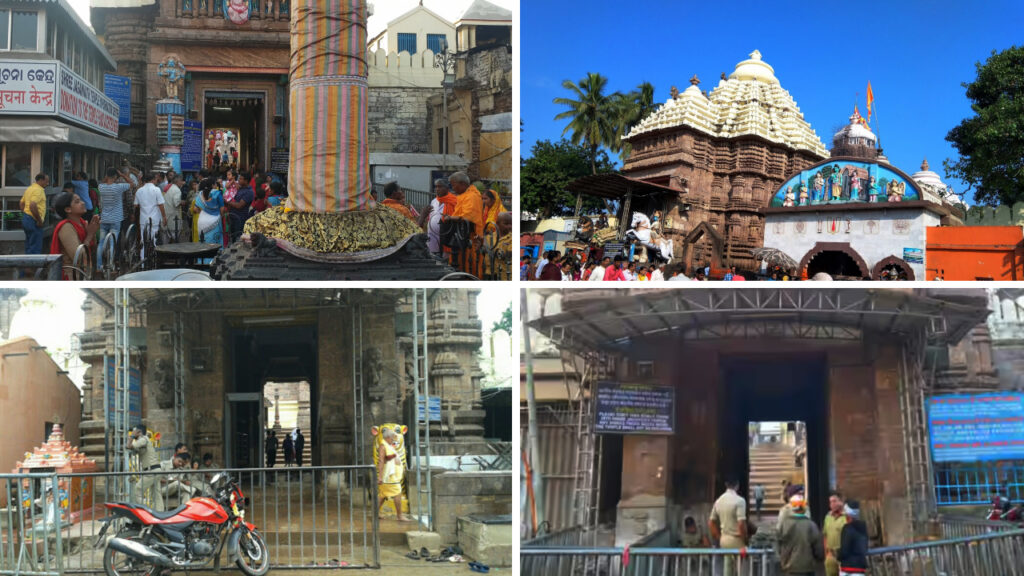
{"x":916,"y":54}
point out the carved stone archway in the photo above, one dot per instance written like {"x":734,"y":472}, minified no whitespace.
{"x":696,"y":234}
{"x":835,"y":247}
{"x":888,"y":261}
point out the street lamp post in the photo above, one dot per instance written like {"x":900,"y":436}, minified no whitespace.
{"x":445,"y":60}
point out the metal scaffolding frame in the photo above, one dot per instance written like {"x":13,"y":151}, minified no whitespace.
{"x":358,"y":385}
{"x":421,"y":394}
{"x":178,"y":339}
{"x":918,"y":468}
{"x":119,"y":430}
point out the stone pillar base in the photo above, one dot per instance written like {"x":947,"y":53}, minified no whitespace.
{"x":638,"y":517}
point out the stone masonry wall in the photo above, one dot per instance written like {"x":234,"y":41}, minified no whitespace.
{"x":398,"y":119}
{"x":459,"y":494}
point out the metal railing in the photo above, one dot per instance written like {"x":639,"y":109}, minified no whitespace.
{"x":998,"y":553}
{"x":569,"y":561}
{"x":567,"y":537}
{"x":31,"y":539}
{"x":45,"y":266}
{"x":312,"y":517}
{"x":963,"y":526}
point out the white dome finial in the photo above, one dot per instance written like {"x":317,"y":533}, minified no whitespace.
{"x":755,"y":55}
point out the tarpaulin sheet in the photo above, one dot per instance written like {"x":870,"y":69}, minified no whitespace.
{"x":329,"y":165}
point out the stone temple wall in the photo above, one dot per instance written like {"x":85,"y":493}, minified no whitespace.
{"x":398,"y":120}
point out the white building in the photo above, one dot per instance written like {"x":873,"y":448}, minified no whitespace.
{"x":417,"y":30}
{"x":855,"y":216}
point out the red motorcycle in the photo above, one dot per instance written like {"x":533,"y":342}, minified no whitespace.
{"x":153,"y":543}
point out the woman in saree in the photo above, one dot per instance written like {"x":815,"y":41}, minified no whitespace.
{"x":73,"y":232}
{"x":209,"y":205}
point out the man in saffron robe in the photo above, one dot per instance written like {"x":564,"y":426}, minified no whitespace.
{"x":469,"y":206}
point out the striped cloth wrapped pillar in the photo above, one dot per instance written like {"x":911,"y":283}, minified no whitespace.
{"x":329,"y":168}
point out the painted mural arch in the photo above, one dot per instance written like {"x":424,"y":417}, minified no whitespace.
{"x":892,"y":261}
{"x":842,"y":247}
{"x":846,"y":181}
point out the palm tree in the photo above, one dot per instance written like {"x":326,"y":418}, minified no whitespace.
{"x":591,"y":115}
{"x":631,"y":108}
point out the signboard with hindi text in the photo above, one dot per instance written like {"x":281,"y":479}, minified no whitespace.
{"x":119,"y":89}
{"x":28,"y":87}
{"x":192,"y":146}
{"x":974,"y":427}
{"x":633,"y":409}
{"x":49,"y":88}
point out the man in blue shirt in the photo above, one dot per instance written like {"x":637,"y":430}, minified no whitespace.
{"x":81,"y":183}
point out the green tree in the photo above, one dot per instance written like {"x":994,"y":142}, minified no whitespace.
{"x":629,"y":110}
{"x":991,"y":143}
{"x":505,"y":323}
{"x":591,"y":115}
{"x":544,"y":175}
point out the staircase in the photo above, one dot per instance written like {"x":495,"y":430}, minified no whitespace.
{"x":770,"y":464}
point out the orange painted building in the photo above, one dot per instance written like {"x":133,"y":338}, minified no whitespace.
{"x":975,"y":253}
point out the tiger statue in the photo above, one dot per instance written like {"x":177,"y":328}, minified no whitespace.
{"x":395,"y":486}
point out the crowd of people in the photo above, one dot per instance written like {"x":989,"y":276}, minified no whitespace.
{"x":556,"y":267}
{"x":293,"y":445}
{"x":165,"y":207}
{"x":470,"y":229}
{"x":837,"y":548}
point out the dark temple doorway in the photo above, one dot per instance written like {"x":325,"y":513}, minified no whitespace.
{"x":268,"y":349}
{"x":791,"y":391}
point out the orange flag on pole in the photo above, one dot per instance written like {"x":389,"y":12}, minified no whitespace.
{"x":871,"y":100}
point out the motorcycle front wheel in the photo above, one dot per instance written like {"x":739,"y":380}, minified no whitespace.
{"x":253,"y":555}
{"x":119,"y":564}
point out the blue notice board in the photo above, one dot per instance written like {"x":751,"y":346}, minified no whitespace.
{"x":134,"y":394}
{"x":119,"y":89}
{"x":435,"y":409}
{"x":973,"y":427}
{"x":192,"y":146}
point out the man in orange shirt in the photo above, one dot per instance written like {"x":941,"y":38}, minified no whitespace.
{"x":394,"y":198}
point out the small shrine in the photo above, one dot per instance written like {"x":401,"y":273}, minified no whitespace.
{"x":74,"y":495}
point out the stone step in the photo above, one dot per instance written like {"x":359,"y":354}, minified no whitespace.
{"x":87,"y":426}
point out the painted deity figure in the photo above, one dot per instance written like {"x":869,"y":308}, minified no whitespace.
{"x":872,"y":190}
{"x":788,"y":200}
{"x":803,"y":194}
{"x":173,"y":73}
{"x":390,"y":460}
{"x":238,"y":11}
{"x":819,"y":185}
{"x":837,"y":183}
{"x":855,"y":188}
{"x":895,"y":191}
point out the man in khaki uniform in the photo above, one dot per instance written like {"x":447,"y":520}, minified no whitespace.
{"x":728,"y":522}
{"x":148,"y":490}
{"x":833,"y":529}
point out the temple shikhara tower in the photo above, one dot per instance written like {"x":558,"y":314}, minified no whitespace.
{"x":727,"y":152}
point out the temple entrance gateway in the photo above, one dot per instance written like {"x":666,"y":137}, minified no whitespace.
{"x":838,"y":371}
{"x":237,"y":120}
{"x":268,"y":349}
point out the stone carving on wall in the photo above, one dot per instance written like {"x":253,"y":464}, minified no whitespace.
{"x":206,"y":423}
{"x":173,"y":73}
{"x":901,"y":226}
{"x":871,"y":226}
{"x":800,"y":227}
{"x":163,"y":383}
{"x":373,"y":373}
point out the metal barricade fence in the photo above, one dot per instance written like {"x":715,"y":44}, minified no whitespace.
{"x":312,"y":517}
{"x":567,"y":537}
{"x":999,"y":553}
{"x":963,"y":526}
{"x":31,"y":528}
{"x":571,"y":561}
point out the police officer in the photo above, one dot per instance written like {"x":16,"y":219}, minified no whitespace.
{"x":149,"y":493}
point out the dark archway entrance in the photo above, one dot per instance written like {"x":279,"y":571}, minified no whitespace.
{"x":789,"y":389}
{"x":894,"y":269}
{"x":837,"y":260}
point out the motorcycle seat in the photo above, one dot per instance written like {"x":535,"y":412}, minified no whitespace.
{"x":161,"y":515}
